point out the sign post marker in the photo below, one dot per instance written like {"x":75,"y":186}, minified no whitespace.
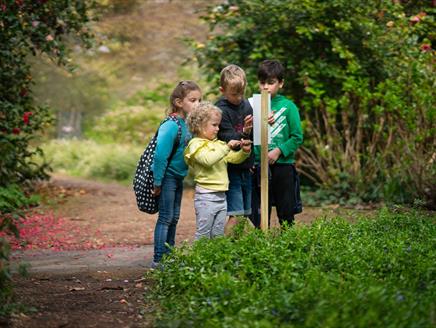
{"x":264,"y":162}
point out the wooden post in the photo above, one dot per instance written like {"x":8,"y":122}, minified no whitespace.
{"x":264,"y":161}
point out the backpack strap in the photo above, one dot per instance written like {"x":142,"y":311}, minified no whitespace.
{"x":179,"y":134}
{"x":179,"y":137}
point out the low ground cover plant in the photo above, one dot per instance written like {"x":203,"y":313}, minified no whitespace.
{"x":373,"y":273}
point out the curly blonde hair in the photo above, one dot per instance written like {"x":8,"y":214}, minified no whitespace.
{"x":200,"y":115}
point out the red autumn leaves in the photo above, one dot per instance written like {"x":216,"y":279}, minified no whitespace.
{"x":48,"y":231}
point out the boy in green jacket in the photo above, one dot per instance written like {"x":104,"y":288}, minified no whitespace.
{"x":286,"y":137}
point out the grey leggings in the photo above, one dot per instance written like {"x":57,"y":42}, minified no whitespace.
{"x":210,"y":212}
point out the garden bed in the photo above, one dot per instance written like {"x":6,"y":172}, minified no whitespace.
{"x":372,"y":273}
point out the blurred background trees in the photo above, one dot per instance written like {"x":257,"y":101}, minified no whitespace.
{"x":363,"y":76}
{"x":361,"y":73}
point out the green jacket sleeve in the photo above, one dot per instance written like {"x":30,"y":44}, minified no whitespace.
{"x":296,"y":133}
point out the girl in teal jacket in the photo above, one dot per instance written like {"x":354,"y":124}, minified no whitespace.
{"x":169,"y":168}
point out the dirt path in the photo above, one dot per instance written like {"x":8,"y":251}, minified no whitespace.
{"x":96,"y":279}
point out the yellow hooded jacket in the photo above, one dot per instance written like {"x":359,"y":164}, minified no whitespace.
{"x":208,"y":161}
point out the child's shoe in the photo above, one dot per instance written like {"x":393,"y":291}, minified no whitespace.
{"x":156,"y":265}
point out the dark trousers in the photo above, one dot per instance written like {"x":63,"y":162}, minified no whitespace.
{"x":281,"y":187}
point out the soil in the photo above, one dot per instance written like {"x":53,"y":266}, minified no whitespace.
{"x":93,"y":299}
{"x":95,"y":277}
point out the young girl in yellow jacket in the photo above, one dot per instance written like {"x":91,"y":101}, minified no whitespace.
{"x":207,"y":157}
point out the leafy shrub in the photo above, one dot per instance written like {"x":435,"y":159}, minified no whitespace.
{"x":363,"y":75}
{"x":12,"y":201}
{"x":90,"y":159}
{"x":27,"y":28}
{"x":30,"y":27}
{"x":375,"y":273}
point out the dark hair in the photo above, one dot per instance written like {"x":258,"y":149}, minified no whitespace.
{"x":180,"y":92}
{"x":271,"y":69}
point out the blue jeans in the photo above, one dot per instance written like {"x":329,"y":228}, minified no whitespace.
{"x":169,"y":212}
{"x":239,"y":193}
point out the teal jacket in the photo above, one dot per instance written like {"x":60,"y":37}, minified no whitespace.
{"x":286,"y":133}
{"x":167,"y":136}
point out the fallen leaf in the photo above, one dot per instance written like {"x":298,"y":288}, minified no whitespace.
{"x":140,"y":279}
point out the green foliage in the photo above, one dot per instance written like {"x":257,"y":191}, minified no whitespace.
{"x":375,"y":273}
{"x":12,"y":202}
{"x":12,"y":199}
{"x":27,"y":28}
{"x":30,"y":27}
{"x":146,"y":97}
{"x":127,"y":124}
{"x":363,"y":75}
{"x":89,"y":159}
{"x":135,"y":120}
{"x":5,"y":278}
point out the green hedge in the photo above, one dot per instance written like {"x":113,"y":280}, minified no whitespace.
{"x":375,"y":273}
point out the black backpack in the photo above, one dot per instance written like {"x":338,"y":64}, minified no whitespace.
{"x":143,"y":183}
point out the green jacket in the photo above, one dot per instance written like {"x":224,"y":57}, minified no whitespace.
{"x":286,"y":133}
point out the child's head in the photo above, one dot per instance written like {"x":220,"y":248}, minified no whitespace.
{"x":233,"y":83}
{"x":185,"y":96}
{"x":204,"y":120}
{"x":271,"y":76}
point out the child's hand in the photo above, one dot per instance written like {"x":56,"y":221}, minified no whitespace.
{"x":273,"y":155}
{"x":233,"y":144}
{"x":271,"y":119}
{"x":248,"y":124}
{"x":156,"y":191}
{"x":246,"y":145}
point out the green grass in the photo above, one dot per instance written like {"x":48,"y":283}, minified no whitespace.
{"x":374,"y":273}
{"x":89,"y":159}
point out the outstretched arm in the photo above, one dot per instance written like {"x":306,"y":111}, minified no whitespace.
{"x":211,"y":153}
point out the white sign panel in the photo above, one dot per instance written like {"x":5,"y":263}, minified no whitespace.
{"x":255,"y":103}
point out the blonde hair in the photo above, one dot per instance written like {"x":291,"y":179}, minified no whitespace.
{"x":232,"y":76}
{"x":180,"y":92}
{"x":200,"y":115}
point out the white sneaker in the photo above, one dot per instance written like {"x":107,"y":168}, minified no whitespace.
{"x":156,"y":265}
